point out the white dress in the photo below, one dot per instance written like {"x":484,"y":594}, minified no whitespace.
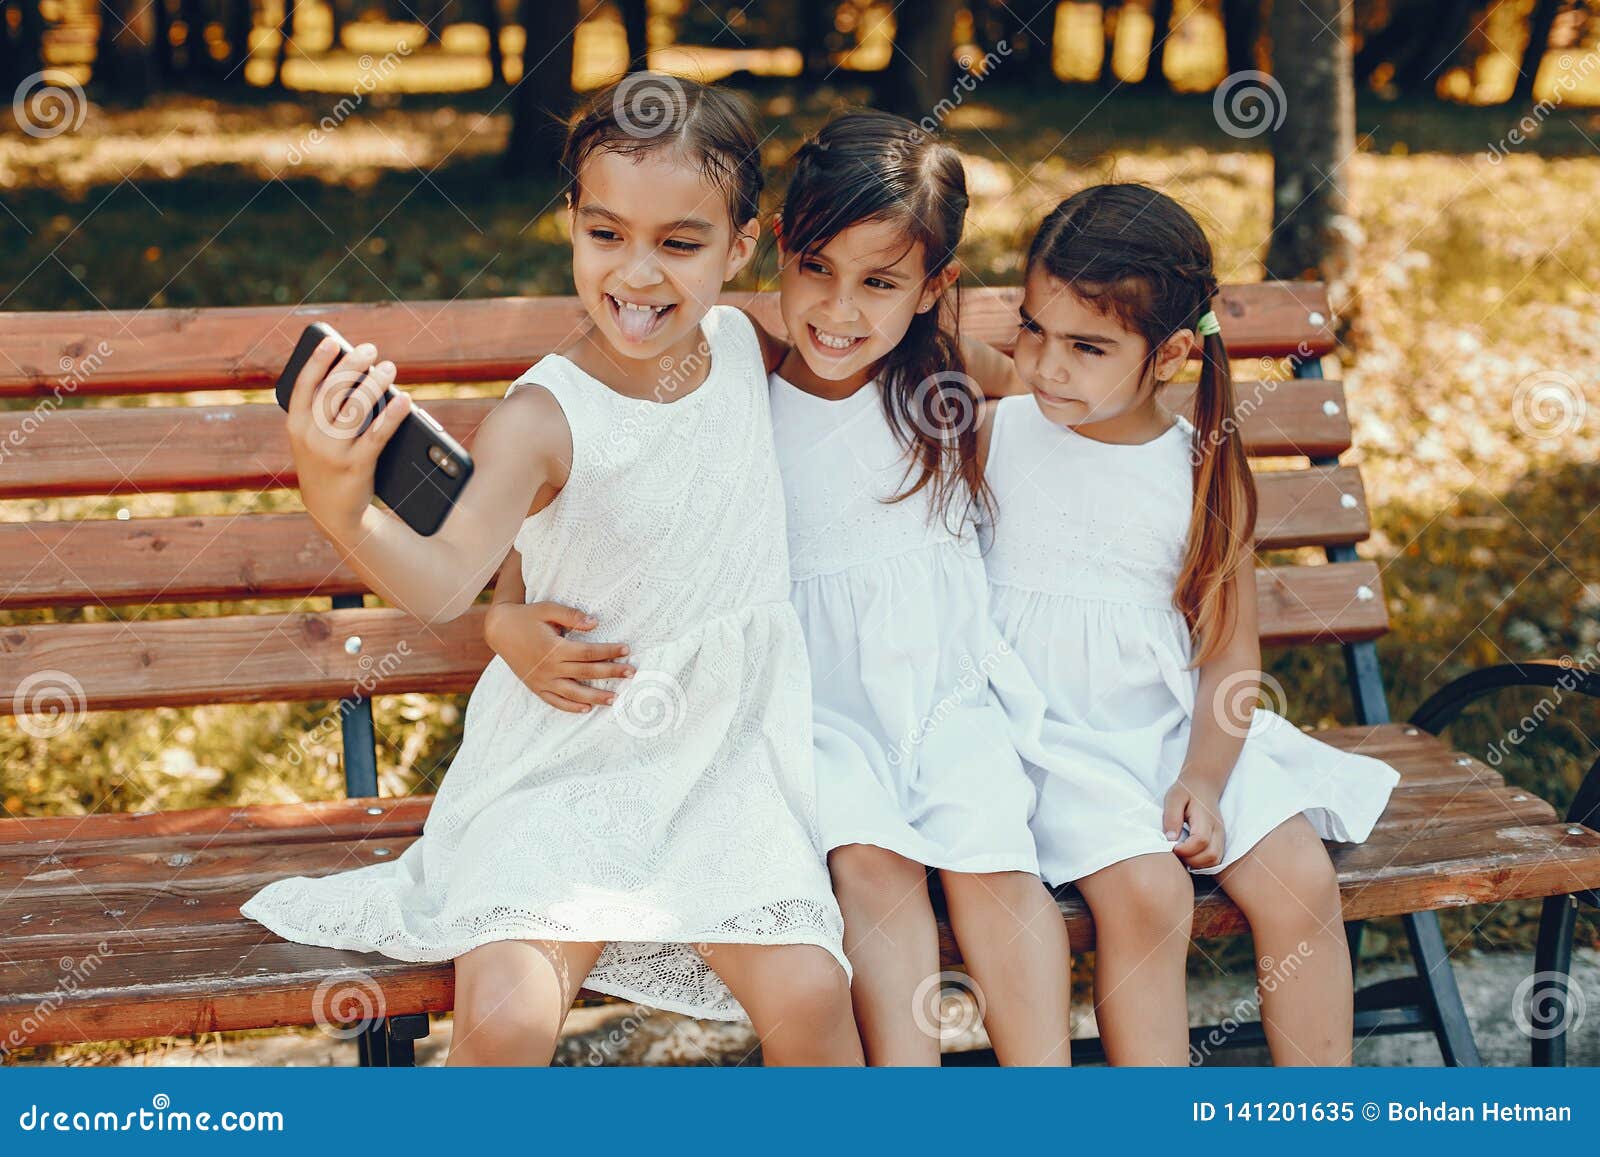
{"x":913,"y":751}
{"x":1083,"y":561}
{"x":685,"y":813}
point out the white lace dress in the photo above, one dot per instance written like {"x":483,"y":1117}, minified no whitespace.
{"x":913,"y":753}
{"x":685,"y":813}
{"x":1083,"y":561}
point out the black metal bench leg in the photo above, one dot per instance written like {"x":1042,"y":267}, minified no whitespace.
{"x":392,"y":1042}
{"x":1433,"y":968}
{"x":1352,"y":936}
{"x":1552,"y":965}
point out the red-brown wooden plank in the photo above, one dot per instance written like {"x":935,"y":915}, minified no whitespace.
{"x":161,"y":350}
{"x":246,"y":556}
{"x":114,"y":450}
{"x":256,"y":658}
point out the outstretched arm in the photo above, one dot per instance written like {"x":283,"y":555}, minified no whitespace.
{"x":995,"y":373}
{"x":521,"y":455}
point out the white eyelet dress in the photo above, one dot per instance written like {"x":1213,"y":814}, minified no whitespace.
{"x":1083,"y":561}
{"x":913,"y":751}
{"x":683,"y":814}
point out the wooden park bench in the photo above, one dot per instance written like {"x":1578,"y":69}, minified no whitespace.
{"x":126,"y":926}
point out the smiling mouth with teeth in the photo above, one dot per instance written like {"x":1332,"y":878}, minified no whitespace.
{"x":637,"y":321}
{"x":834,"y":343}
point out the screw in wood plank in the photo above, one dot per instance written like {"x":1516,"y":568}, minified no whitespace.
{"x":380,"y":851}
{"x":1464,"y":761}
{"x":1330,"y":407}
{"x":1316,"y":318}
{"x":1412,"y":731}
{"x":179,"y":860}
{"x":1518,"y":798}
{"x":1574,"y":831}
{"x":1364,"y":594}
{"x":374,"y":811}
{"x":352,"y":645}
{"x":1348,"y":501}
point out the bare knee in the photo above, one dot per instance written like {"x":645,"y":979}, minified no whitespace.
{"x":810,"y":983}
{"x":867,"y":870}
{"x":1287,"y":883}
{"x":1151,"y":897}
{"x":496,"y":1020}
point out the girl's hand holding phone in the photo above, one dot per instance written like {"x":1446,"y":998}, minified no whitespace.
{"x":335,"y":450}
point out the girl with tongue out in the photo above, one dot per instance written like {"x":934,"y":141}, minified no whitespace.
{"x":875,"y":419}
{"x":665,"y":851}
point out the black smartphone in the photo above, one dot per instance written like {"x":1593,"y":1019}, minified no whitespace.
{"x":422,"y":471}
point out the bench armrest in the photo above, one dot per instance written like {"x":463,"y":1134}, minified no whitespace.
{"x":1445,"y":705}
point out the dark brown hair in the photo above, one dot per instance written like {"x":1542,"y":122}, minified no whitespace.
{"x":644,"y":111}
{"x":1137,"y":255}
{"x":873,"y":166}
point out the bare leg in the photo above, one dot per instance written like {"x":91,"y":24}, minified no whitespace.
{"x":512,"y":997}
{"x":1015,"y":946}
{"x":1287,"y":888}
{"x":893,"y":946}
{"x":797,"y":997}
{"x":1143,"y":911}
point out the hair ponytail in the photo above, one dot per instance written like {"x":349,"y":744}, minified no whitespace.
{"x":1223,"y":519}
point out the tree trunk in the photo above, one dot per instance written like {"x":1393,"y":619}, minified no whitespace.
{"x":335,"y":24}
{"x":1540,"y":22}
{"x":285,"y":34}
{"x":636,"y":24}
{"x":921,"y":70}
{"x":238,"y":22}
{"x":28,"y":45}
{"x":497,"y":56}
{"x":1032,"y":42}
{"x":196,"y":54}
{"x":1155,"y":74}
{"x":125,"y":64}
{"x":815,"y":33}
{"x":1241,"y":27}
{"x":1310,"y":194}
{"x":542,"y":99}
{"x":1111,"y":14}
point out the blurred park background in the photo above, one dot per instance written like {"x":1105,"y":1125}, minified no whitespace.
{"x":162,"y":155}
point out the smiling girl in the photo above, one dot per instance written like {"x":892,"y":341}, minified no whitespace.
{"x":665,"y":852}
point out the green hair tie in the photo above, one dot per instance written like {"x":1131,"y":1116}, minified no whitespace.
{"x":1208,"y":324}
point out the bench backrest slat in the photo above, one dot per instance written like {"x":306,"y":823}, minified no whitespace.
{"x":493,"y":339}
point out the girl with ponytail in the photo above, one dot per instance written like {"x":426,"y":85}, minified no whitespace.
{"x":1121,"y":571}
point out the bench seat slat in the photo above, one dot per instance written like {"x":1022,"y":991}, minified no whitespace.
{"x":474,"y":339}
{"x":245,"y":447}
{"x":253,"y":556}
{"x":201,"y":978}
{"x":257,"y":658}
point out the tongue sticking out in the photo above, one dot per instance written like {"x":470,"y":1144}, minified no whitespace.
{"x":636,"y":324}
